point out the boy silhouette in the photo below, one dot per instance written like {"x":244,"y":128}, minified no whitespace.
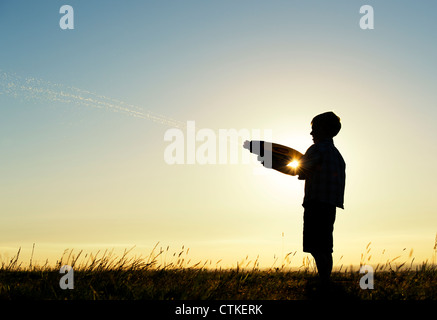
{"x":323,"y":169}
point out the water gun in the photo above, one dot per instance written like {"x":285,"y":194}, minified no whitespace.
{"x":274,"y":155}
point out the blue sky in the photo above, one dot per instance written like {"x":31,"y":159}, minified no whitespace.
{"x":76,"y":176}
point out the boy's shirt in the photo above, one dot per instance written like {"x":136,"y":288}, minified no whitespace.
{"x":324,"y":171}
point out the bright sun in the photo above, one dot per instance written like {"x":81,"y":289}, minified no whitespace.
{"x":293,"y":164}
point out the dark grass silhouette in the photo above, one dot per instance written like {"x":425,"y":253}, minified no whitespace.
{"x":107,"y":277}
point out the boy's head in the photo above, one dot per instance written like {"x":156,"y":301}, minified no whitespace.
{"x":325,"y":125}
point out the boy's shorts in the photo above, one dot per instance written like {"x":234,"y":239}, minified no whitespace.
{"x":318,"y":225}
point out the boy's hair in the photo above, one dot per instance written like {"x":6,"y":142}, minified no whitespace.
{"x":329,"y":121}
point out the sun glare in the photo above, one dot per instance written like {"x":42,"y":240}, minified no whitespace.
{"x":294,"y":164}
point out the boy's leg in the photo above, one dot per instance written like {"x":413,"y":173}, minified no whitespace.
{"x":324,"y":265}
{"x":318,"y":230}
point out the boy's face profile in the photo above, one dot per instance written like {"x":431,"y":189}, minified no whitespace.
{"x":318,"y":133}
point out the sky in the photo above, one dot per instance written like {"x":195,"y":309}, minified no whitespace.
{"x":84,"y":113}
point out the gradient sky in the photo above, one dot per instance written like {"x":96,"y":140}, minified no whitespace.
{"x":79,"y":177}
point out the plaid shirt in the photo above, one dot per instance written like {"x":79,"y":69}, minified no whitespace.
{"x":323,"y":169}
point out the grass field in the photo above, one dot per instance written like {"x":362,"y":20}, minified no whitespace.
{"x":107,"y":277}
